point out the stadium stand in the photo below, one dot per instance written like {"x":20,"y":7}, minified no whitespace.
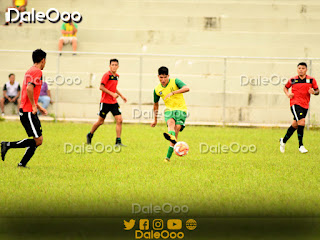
{"x":221,"y":28}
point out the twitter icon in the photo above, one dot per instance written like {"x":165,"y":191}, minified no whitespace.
{"x":129,"y":225}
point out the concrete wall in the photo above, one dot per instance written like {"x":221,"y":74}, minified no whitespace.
{"x":230,"y":28}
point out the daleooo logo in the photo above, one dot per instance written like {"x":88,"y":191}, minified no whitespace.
{"x":156,"y":235}
{"x":33,"y":16}
{"x":165,"y":208}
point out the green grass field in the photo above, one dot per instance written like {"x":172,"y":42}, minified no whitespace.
{"x":264,"y":183}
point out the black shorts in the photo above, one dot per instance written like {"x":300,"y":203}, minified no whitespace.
{"x":105,"y":108}
{"x":31,"y":124}
{"x":6,"y":101}
{"x":298,"y":112}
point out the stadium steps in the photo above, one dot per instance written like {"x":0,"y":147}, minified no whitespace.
{"x":256,"y":9}
{"x":193,"y":23}
{"x":250,"y":28}
{"x":221,"y":39}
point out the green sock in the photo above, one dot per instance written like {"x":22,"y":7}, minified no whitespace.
{"x":170,"y":151}
{"x":172,"y":133}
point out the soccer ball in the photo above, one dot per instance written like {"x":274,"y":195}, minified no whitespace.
{"x":181,"y":149}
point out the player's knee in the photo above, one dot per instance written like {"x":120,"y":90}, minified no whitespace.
{"x":100,"y":122}
{"x":119,"y":120}
{"x":302,"y":122}
{"x":171,"y":123}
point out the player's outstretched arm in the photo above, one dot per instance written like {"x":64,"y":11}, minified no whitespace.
{"x":155,"y":112}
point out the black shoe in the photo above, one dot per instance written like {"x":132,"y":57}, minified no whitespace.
{"x":4,"y":150}
{"x":6,"y":24}
{"x":21,"y":166}
{"x":89,"y":138}
{"x":120,"y":145}
{"x":170,"y":138}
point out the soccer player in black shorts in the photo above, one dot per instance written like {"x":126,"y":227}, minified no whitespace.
{"x":302,"y":87}
{"x":28,"y":110}
{"x":108,"y":102}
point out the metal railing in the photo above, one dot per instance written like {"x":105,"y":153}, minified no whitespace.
{"x":220,"y":77}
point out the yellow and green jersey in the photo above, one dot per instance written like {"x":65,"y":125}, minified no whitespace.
{"x":68,"y":27}
{"x":176,"y":101}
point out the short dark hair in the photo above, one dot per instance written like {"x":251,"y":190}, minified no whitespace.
{"x":163,"y":71}
{"x":38,"y":55}
{"x":11,"y":74}
{"x":113,"y":60}
{"x":302,"y":64}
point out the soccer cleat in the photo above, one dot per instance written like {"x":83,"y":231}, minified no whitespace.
{"x":170,"y":138}
{"x":120,"y":145}
{"x":4,"y":150}
{"x":89,"y":138}
{"x":282,"y":146}
{"x":167,"y":160}
{"x":21,"y":166}
{"x":6,"y":24}
{"x":2,"y":114}
{"x":302,"y":149}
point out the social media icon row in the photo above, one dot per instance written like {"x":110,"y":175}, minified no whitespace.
{"x":157,"y":224}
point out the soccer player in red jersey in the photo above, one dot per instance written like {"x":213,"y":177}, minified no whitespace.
{"x":108,"y":102}
{"x":302,"y":86}
{"x":28,"y":110}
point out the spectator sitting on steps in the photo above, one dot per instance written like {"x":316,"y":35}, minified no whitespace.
{"x":20,"y":5}
{"x":11,"y":93}
{"x":69,"y":35}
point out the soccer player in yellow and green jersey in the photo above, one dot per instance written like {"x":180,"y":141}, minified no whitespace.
{"x":171,"y":91}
